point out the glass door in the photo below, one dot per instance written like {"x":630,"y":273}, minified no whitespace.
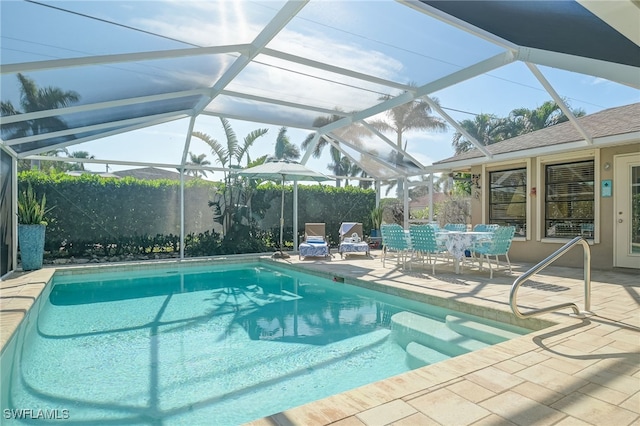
{"x":7,"y":217}
{"x":627,"y":211}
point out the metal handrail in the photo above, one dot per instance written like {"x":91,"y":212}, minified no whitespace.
{"x":540,"y":266}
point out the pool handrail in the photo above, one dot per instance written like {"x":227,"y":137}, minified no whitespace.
{"x":513,"y":294}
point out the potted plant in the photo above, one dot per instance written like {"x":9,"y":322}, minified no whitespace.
{"x":31,"y":228}
{"x":376,"y":221}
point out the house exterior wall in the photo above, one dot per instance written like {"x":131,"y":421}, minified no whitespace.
{"x":533,"y":247}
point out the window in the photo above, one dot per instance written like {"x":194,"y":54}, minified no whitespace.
{"x":508,"y":199}
{"x":569,"y":200}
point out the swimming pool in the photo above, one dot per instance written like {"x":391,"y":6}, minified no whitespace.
{"x":217,"y":344}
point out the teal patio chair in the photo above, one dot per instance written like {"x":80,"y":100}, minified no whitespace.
{"x":484,"y":227}
{"x":460,"y":227}
{"x":394,"y":240}
{"x":499,"y":245}
{"x":424,"y":243}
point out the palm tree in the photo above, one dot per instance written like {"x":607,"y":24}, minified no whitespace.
{"x":489,"y":129}
{"x":485,"y":128}
{"x":548,"y":114}
{"x":352,"y":133}
{"x":414,"y":115}
{"x":339,"y":165}
{"x":227,"y":211}
{"x":79,"y":154}
{"x":197,"y":160}
{"x":32,"y":99}
{"x":285,"y":150}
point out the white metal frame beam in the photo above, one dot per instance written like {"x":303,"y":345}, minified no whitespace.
{"x":479,"y":68}
{"x":124,"y":163}
{"x":619,"y":73}
{"x":8,"y":119}
{"x":391,"y":144}
{"x":560,"y":102}
{"x":273,"y":28}
{"x":253,"y":120}
{"x":337,"y":70}
{"x":364,"y":153}
{"x":94,"y":127}
{"x":457,"y":126}
{"x":283,"y":103}
{"x":102,"y":135}
{"x":121,"y":58}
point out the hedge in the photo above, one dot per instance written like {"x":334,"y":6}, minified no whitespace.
{"x":130,"y":216}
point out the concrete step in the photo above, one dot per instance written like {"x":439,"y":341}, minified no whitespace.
{"x":484,"y":330}
{"x":407,"y":327}
{"x":419,"y":355}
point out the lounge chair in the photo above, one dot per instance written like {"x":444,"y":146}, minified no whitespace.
{"x":351,"y":239}
{"x":314,"y":244}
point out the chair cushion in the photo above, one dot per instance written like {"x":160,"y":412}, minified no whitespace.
{"x":315,"y":239}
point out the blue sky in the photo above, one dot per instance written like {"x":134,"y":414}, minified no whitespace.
{"x":382,"y":38}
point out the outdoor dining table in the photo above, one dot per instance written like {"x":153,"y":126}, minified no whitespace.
{"x":457,"y":242}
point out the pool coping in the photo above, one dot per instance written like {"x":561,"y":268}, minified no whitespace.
{"x":503,"y":371}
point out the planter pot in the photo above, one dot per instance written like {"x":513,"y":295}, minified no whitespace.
{"x":375,"y":233}
{"x":31,"y":244}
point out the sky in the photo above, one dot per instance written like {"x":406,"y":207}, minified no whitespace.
{"x":381,"y":38}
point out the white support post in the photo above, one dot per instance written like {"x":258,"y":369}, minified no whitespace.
{"x":185,"y":152}
{"x":295,"y":215}
{"x":406,"y":203}
{"x":431,"y":197}
{"x":376,"y":185}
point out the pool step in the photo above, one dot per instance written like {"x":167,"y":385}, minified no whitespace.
{"x":481,"y":329}
{"x":408,"y":327}
{"x":419,"y":355}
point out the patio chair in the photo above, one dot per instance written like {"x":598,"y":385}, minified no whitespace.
{"x":461,"y":227}
{"x":424,"y":243}
{"x":394,"y":239}
{"x":352,"y":239}
{"x":485,"y":227}
{"x":499,"y":245}
{"x":314,"y":244}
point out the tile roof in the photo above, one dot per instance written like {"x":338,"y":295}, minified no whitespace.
{"x":609,"y":122}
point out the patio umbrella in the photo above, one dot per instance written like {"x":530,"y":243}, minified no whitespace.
{"x":281,"y":171}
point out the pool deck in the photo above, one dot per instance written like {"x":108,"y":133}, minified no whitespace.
{"x":577,"y":372}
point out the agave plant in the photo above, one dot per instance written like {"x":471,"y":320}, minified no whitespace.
{"x":32,"y":211}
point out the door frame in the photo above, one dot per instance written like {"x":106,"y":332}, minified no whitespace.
{"x":622,"y":211}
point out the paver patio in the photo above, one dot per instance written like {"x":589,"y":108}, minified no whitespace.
{"x":576,"y":372}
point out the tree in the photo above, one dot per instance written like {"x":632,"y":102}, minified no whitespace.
{"x":339,"y":165}
{"x":352,"y":133}
{"x":414,"y":115}
{"x":79,"y":154}
{"x":230,"y":203}
{"x":32,"y":99}
{"x":285,"y":150}
{"x":548,"y":114}
{"x":489,"y":129}
{"x":197,"y":160}
{"x":484,"y":128}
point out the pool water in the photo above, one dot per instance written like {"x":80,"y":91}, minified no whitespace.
{"x":218,"y":345}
